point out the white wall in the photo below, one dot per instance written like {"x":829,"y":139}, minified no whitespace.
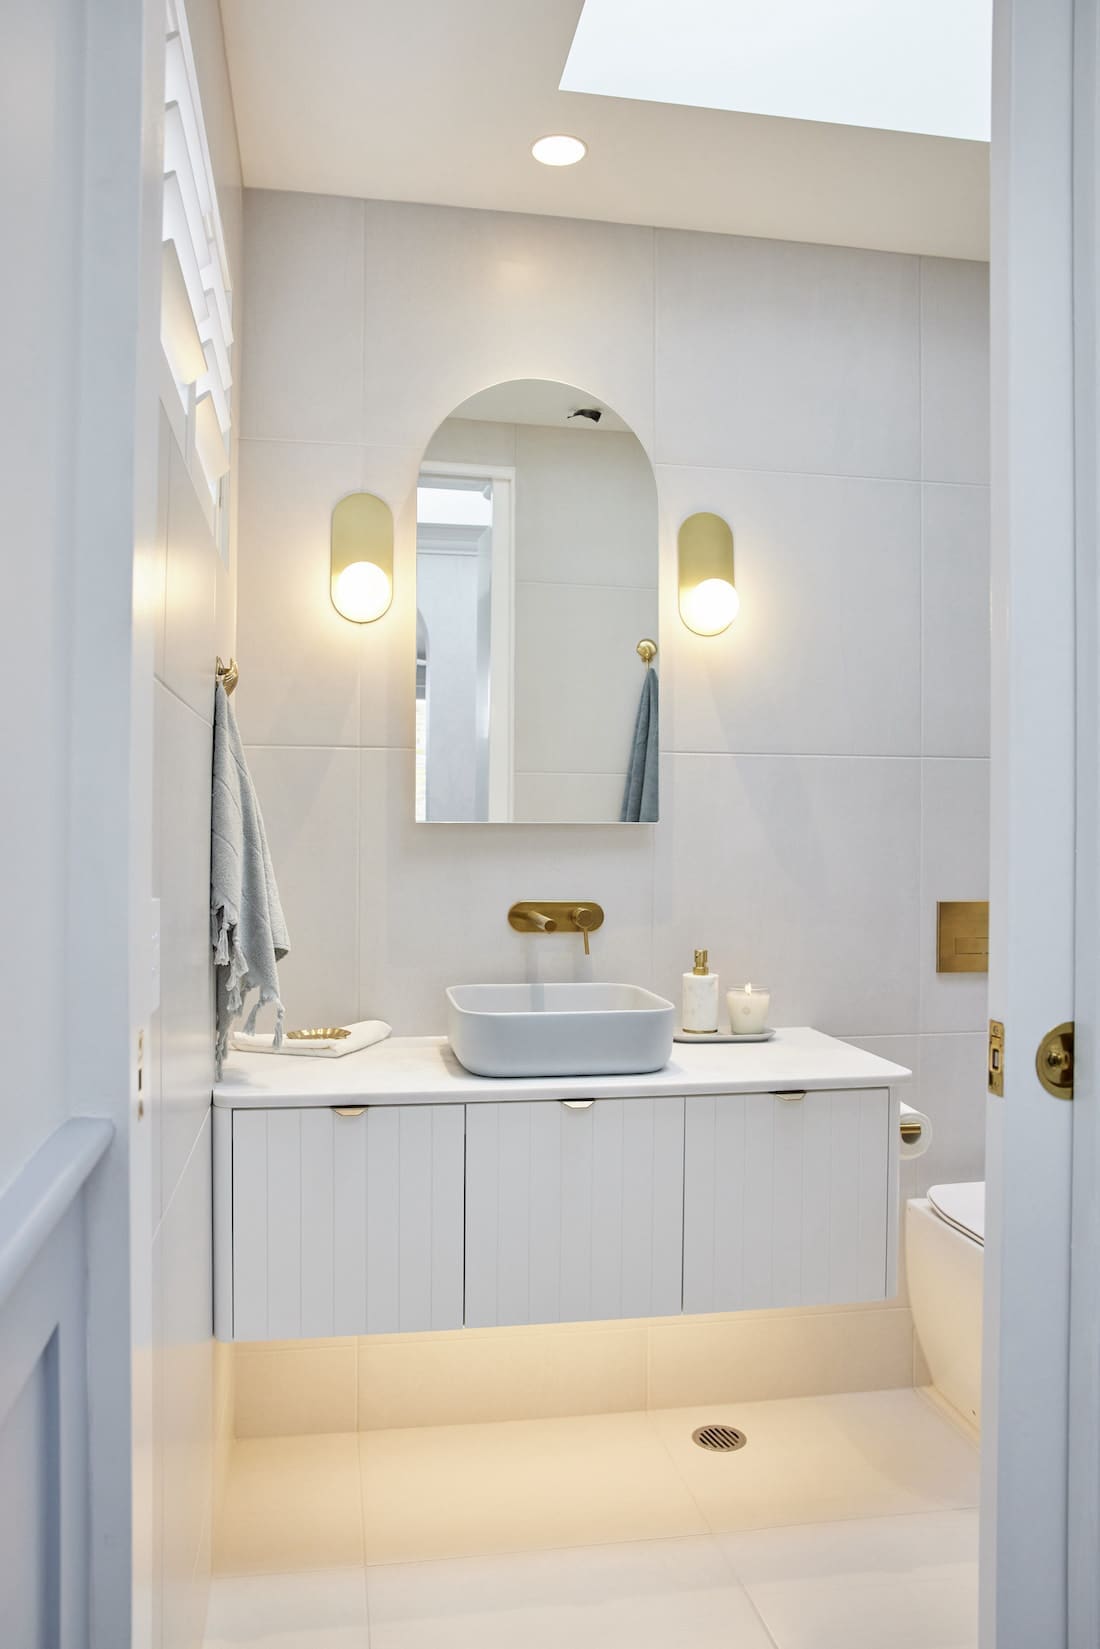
{"x":824,"y":763}
{"x":193,"y":601}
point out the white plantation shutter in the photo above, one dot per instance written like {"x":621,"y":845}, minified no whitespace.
{"x":196,"y":294}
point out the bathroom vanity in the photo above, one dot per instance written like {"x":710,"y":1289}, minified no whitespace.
{"x":391,"y":1191}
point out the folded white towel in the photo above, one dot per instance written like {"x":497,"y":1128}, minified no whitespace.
{"x":361,"y":1035}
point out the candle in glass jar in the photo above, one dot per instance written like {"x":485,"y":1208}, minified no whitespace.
{"x":748,"y":1008}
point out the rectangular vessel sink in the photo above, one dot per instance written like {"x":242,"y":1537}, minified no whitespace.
{"x":559,"y":1030}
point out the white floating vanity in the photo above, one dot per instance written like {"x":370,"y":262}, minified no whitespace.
{"x":391,"y":1190}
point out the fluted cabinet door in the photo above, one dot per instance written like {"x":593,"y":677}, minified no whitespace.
{"x":573,"y":1214}
{"x":789,"y":1202}
{"x":347,"y":1224}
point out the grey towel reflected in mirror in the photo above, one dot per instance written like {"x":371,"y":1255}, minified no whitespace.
{"x":640,"y":795}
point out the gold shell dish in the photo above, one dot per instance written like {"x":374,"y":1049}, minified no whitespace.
{"x":327,"y":1033}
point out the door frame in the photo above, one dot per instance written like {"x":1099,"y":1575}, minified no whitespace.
{"x":1083,"y":1483}
{"x":1041,"y":1387}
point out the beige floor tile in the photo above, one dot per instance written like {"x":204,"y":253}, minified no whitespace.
{"x":815,"y":1459}
{"x":292,"y":1504}
{"x":460,"y":1491}
{"x":323,"y":1610}
{"x":910,"y":1582}
{"x":647,"y":1595}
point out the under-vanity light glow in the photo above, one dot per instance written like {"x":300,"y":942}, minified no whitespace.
{"x":903,"y":66}
{"x":710,"y":607}
{"x":362,"y":592}
{"x":559,"y":150}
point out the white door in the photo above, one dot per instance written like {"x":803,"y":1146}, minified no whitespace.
{"x":574,"y":1212}
{"x":1041,"y":1393}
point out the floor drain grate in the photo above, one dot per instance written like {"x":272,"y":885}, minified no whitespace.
{"x":719,"y":1439}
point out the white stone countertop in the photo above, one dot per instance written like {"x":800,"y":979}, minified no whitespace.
{"x":422,"y":1070}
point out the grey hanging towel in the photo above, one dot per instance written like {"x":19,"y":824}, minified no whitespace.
{"x":640,"y":794}
{"x":247,"y":929}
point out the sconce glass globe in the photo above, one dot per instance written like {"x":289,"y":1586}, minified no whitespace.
{"x":710,"y":607}
{"x":362,"y":592}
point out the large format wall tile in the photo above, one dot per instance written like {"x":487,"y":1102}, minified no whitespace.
{"x":308,"y":676}
{"x":303,"y":318}
{"x":586,"y":508}
{"x":954,"y":865}
{"x":434,"y":901}
{"x":953,"y":1094}
{"x":458,"y":300}
{"x":774,"y":355}
{"x":190,"y":588}
{"x":578,"y":677}
{"x":752,"y":1355}
{"x":956,"y":620}
{"x":310,"y":802}
{"x":501,"y":1374}
{"x":824,"y":656}
{"x":955,"y":369}
{"x":800,"y":873}
{"x":802,"y":392}
{"x":182,"y":761}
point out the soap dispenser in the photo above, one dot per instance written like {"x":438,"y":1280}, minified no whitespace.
{"x":700,"y":996}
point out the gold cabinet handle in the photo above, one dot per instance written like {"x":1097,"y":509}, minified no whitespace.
{"x":578,"y":1104}
{"x":789,"y":1093}
{"x":348,"y":1110}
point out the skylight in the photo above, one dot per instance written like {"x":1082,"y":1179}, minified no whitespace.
{"x":899,"y":65}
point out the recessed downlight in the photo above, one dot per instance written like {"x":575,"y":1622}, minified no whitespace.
{"x":559,"y":150}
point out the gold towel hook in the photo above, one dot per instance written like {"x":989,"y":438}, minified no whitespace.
{"x":227,"y":674}
{"x":647,"y":651}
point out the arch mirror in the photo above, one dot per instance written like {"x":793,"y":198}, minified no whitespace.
{"x":536,"y":579}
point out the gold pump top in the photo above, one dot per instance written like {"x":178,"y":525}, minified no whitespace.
{"x":701,"y":965}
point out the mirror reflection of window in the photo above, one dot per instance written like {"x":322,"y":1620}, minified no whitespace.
{"x":536,"y":579}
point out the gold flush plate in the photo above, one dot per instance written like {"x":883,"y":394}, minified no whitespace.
{"x":962,"y":936}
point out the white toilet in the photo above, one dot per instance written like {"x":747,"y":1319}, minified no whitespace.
{"x":944,"y":1251}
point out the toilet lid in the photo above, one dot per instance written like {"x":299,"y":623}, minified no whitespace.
{"x":962,"y":1206}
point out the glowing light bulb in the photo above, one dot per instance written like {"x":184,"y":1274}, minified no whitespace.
{"x":710,"y":607}
{"x":362,"y":592}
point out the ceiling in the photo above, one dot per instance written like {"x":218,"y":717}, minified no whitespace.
{"x":439,"y":101}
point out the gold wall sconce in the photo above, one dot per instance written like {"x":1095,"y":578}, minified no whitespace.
{"x":361,"y":567}
{"x":709,"y":602}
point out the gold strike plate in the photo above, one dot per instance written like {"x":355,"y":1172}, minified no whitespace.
{"x":996,"y":1058}
{"x":962,"y":936}
{"x":1054,"y":1061}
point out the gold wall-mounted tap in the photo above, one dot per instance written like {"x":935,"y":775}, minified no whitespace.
{"x":554,"y":916}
